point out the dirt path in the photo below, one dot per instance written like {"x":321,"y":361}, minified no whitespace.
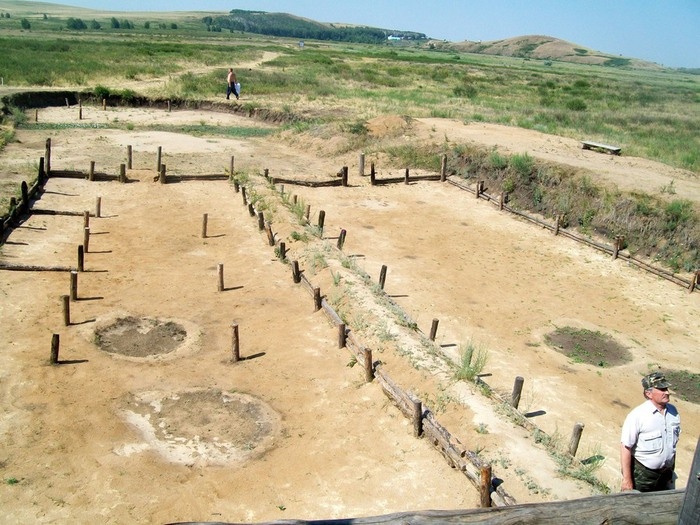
{"x":144,"y":439}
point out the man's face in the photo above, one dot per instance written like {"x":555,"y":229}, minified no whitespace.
{"x":659,"y":396}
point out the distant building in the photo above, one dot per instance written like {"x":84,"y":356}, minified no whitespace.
{"x":394,"y":37}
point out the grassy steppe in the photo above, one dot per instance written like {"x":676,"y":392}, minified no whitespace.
{"x":337,"y":87}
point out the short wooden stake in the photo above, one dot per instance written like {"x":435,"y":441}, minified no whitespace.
{"x":296,"y":276}
{"x":321,"y":221}
{"x":36,"y":115}
{"x":282,"y":251}
{"x":266,"y":174}
{"x":86,"y":239}
{"x":270,"y":234}
{"x":575,"y":438}
{"x":220,"y":271}
{"x":235,"y":344}
{"x":557,"y":225}
{"x":382,"y":276}
{"x":405,"y":177}
{"x":159,"y":156}
{"x":80,"y":110}
{"x":341,"y":239}
{"x":162,"y":176}
{"x":345,"y":176}
{"x":47,"y":158}
{"x":485,"y":486}
{"x":372,"y":175}
{"x":478,"y":188}
{"x":251,"y":210}
{"x":616,"y":248}
{"x":67,"y":103}
{"x":694,"y":281}
{"x":294,"y":199}
{"x":261,"y":221}
{"x":129,"y":157}
{"x":342,"y":336}
{"x":104,"y":104}
{"x":443,"y":169}
{"x":86,"y":219}
{"x":122,"y":173}
{"x":231,"y":168}
{"x":98,"y":206}
{"x":362,"y":165}
{"x":369,"y":365}
{"x":91,"y":173}
{"x":307,"y":212}
{"x":417,"y":417}
{"x":66,"y":309}
{"x":317,"y":299}
{"x":205,"y":219}
{"x":517,"y":391}
{"x":73,"y":285}
{"x":433,"y":329}
{"x":55,"y":343}
{"x":501,"y":200}
{"x":170,"y":106}
{"x":81,"y":258}
{"x":24,"y":188}
{"x":245,"y":199}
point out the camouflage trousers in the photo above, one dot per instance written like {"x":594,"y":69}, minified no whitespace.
{"x":649,"y":480}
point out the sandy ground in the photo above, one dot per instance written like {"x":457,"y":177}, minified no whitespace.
{"x":118,"y":439}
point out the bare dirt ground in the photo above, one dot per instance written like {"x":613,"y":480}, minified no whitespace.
{"x":292,"y":431}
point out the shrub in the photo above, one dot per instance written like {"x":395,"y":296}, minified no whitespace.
{"x":471,"y":363}
{"x":522,"y":164}
{"x":576,"y":104}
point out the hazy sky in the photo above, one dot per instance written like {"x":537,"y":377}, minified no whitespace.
{"x":662,"y":31}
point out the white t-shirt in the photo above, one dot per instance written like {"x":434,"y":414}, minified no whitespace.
{"x":651,"y":435}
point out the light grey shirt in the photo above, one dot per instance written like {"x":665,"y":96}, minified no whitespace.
{"x":652,"y":435}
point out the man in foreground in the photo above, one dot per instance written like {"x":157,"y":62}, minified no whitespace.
{"x":649,"y":437}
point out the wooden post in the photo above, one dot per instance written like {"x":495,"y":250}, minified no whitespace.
{"x":235,"y":344}
{"x":36,"y":115}
{"x":129,"y":157}
{"x":382,"y":276}
{"x":104,"y":104}
{"x":170,"y":106}
{"x":405,"y":177}
{"x":159,"y":155}
{"x":362,"y":165}
{"x":67,"y":103}
{"x":251,"y":210}
{"x":282,"y":251}
{"x":266,"y":174}
{"x":501,"y":200}
{"x":24,"y":189}
{"x":122,"y":173}
{"x":86,"y":239}
{"x":341,"y":239}
{"x":91,"y":173}
{"x":433,"y":329}
{"x":86,"y":219}
{"x":73,"y":285}
{"x":694,"y":281}
{"x":42,"y":171}
{"x":369,"y":365}
{"x":245,"y":199}
{"x":417,"y":417}
{"x":616,"y":247}
{"x":80,"y":110}
{"x":342,"y":336}
{"x":443,"y":169}
{"x":98,"y":206}
{"x":557,"y":226}
{"x":162,"y":176}
{"x":261,"y":221}
{"x":47,"y":158}
{"x":81,"y":258}
{"x":55,"y":343}
{"x":220,"y":271}
{"x":65,"y":299}
{"x":372,"y":176}
{"x":321,"y":221}
{"x":317,"y":299}
{"x":690,"y":510}
{"x":236,"y":186}
{"x":517,"y":390}
{"x":479,"y":186}
{"x":307,"y":212}
{"x":296,"y":276}
{"x":270,"y":234}
{"x":485,"y":486}
{"x":575,"y":438}
{"x":345,"y":176}
{"x":205,"y":219}
{"x":231,"y":168}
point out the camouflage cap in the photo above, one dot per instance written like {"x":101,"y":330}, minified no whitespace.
{"x":655,"y":380}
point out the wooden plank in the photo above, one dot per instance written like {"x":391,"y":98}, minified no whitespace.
{"x":587,"y":144}
{"x":690,"y":510}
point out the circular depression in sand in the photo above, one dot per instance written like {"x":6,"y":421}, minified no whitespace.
{"x":149,"y":338}
{"x":201,"y":426}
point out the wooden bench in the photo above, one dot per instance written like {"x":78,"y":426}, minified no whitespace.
{"x":614,"y":150}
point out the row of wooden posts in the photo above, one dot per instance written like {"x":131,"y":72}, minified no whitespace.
{"x":80,"y":108}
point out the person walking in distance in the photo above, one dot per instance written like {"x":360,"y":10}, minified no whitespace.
{"x":231,"y":81}
{"x":649,"y":438}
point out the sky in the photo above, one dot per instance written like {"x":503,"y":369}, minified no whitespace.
{"x":663,"y":31}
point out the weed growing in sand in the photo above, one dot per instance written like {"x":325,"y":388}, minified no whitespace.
{"x":472,"y":362}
